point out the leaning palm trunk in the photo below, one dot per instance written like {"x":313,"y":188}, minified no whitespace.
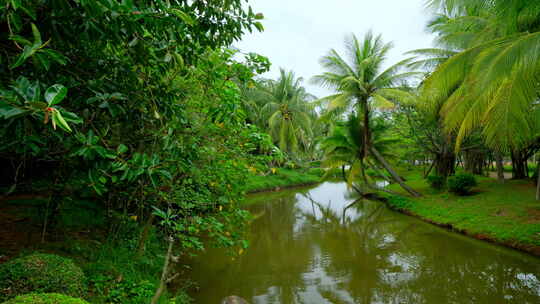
{"x":369,"y":149}
{"x":372,"y":186}
{"x":393,"y":173}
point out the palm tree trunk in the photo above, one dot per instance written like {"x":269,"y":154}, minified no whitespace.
{"x":366,"y":133}
{"x":500,"y":167}
{"x":393,"y":173}
{"x":375,"y":187}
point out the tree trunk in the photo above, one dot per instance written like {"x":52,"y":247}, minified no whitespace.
{"x":394,"y":175}
{"x":500,"y":167}
{"x":367,"y":135}
{"x":164,"y":273}
{"x":445,"y":163}
{"x":519,"y":164}
{"x":474,"y":161}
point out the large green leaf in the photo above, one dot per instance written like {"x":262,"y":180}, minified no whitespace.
{"x":55,"y":94}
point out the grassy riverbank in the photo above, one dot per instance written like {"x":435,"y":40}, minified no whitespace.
{"x":503,"y":213}
{"x":284,"y":178}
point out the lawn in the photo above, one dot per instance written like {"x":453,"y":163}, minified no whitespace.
{"x":503,"y":212}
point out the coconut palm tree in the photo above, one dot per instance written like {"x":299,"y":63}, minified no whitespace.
{"x":361,"y":85}
{"x":493,"y":83}
{"x":344,"y":146}
{"x":284,"y":107}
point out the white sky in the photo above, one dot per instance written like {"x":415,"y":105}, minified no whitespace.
{"x":299,"y":32}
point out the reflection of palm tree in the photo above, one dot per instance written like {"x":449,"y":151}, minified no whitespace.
{"x":354,"y":246}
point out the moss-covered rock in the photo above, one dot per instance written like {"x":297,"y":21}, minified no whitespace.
{"x":45,"y":298}
{"x":41,"y":273}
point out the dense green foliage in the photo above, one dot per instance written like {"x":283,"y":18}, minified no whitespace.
{"x":137,"y":122}
{"x":45,"y":298}
{"x":41,"y":273}
{"x":148,"y":99}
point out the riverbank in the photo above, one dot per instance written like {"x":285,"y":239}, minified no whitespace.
{"x":503,"y":213}
{"x":283,"y":178}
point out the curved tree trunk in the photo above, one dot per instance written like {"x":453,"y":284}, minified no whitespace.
{"x":369,"y":149}
{"x":393,"y":173}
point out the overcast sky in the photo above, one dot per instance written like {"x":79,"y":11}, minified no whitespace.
{"x":299,"y":32}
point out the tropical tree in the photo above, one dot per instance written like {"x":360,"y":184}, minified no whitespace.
{"x":283,"y":107}
{"x":362,"y":85}
{"x":344,"y":145}
{"x":492,"y":83}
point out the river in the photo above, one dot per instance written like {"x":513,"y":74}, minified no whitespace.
{"x":306,"y":246}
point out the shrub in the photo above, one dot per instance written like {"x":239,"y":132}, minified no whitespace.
{"x":41,"y":273}
{"x":45,"y":298}
{"x":436,"y":182}
{"x":461,"y":184}
{"x":131,"y":292}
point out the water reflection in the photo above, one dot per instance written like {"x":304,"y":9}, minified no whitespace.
{"x":322,"y":245}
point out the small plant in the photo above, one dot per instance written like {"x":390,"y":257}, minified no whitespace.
{"x":41,"y":273}
{"x":45,"y":298}
{"x":461,"y":184}
{"x":131,"y":292}
{"x":436,"y":182}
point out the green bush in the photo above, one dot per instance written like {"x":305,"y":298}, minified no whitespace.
{"x":41,"y":273}
{"x":461,"y":184}
{"x":45,"y":298}
{"x":436,"y":182}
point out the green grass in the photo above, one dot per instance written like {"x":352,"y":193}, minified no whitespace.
{"x":283,"y":178}
{"x":505,"y":212}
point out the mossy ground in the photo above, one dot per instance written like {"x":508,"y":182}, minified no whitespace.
{"x":502,"y":212}
{"x":45,"y":298}
{"x":40,"y":272}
